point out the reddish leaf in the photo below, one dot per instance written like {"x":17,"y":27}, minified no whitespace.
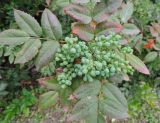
{"x":155,"y":29}
{"x":85,"y":32}
{"x":113,"y":5}
{"x":137,"y":64}
{"x":79,"y":13}
{"x":103,"y":11}
{"x":156,"y":26}
{"x":106,"y":27}
{"x":153,"y":32}
{"x":127,"y":11}
{"x":80,"y":1}
{"x":48,"y":2}
{"x":130,"y":29}
{"x":100,"y":14}
{"x":150,"y":44}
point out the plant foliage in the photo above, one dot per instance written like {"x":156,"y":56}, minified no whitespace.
{"x":84,"y":67}
{"x":31,"y":41}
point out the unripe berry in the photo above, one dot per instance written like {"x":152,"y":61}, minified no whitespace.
{"x":99,"y":44}
{"x":73,"y":50}
{"x":107,"y":44}
{"x":113,"y":70}
{"x":65,"y":46}
{"x":85,"y":71}
{"x":79,"y":73}
{"x":93,"y":73}
{"x":97,"y":72}
{"x":63,"y":86}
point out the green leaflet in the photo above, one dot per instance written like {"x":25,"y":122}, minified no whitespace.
{"x":112,"y":92}
{"x":95,"y":118}
{"x":127,"y":12}
{"x":11,"y":58}
{"x":28,"y":51}
{"x":84,"y":108}
{"x":137,"y":63}
{"x":101,"y":118}
{"x":46,"y":53}
{"x":1,"y":51}
{"x":27,"y":23}
{"x":151,"y":56}
{"x":48,"y":99}
{"x":51,"y":25}
{"x":114,"y":103}
{"x":3,"y":86}
{"x":88,"y":89}
{"x":52,"y":84}
{"x":13,"y":37}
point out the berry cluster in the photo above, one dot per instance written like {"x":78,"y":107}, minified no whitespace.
{"x":100,"y":59}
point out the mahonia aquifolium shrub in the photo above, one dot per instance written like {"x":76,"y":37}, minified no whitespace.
{"x":95,"y":59}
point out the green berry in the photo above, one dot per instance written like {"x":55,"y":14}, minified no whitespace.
{"x":63,"y":86}
{"x":97,"y":72}
{"x":107,"y":44}
{"x":79,"y":73}
{"x":65,"y":46}
{"x":73,"y":50}
{"x":96,"y":59}
{"x":93,"y":73}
